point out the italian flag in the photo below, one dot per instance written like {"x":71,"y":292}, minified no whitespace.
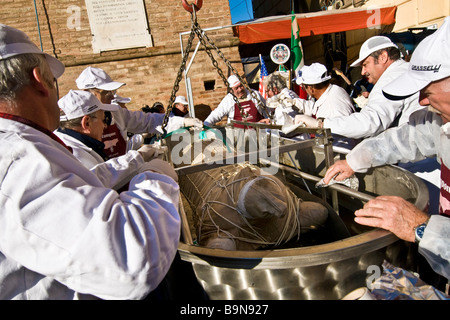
{"x":296,"y":46}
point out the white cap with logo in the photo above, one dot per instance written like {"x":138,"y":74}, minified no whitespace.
{"x":181,"y":99}
{"x":78,"y":103}
{"x":370,"y":46}
{"x":92,"y":78}
{"x":233,"y":81}
{"x":430,"y":62}
{"x":314,"y":74}
{"x":14,"y":42}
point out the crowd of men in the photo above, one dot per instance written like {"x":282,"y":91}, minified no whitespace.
{"x":87,"y":212}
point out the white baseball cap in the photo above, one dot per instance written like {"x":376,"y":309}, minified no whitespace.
{"x":92,"y":78}
{"x":181,"y":99}
{"x":430,"y":62}
{"x":233,"y":81}
{"x":78,"y":103}
{"x":313,"y":74}
{"x":14,"y":42}
{"x":370,"y":46}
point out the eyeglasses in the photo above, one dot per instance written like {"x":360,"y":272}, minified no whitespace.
{"x":106,"y":92}
{"x":105,"y":120}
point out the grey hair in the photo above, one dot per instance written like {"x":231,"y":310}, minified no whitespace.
{"x":15,"y":74}
{"x":275,"y":80}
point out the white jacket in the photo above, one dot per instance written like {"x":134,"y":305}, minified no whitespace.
{"x":63,"y":235}
{"x":142,"y":122}
{"x":334,"y":102}
{"x":425,"y":136}
{"x":226,"y":108}
{"x":380,"y":113}
{"x":114,"y":173}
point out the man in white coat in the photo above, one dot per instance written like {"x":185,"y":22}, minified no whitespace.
{"x":81,"y":128}
{"x":326,"y":100}
{"x":427,"y":134}
{"x":250,"y":108}
{"x":98,"y":82}
{"x":63,"y":235}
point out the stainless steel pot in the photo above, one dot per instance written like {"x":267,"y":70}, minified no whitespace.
{"x":319,"y":271}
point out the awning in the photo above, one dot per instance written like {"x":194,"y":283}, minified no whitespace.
{"x":323,"y":22}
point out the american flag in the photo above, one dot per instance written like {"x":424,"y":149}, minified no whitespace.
{"x":262,"y":76}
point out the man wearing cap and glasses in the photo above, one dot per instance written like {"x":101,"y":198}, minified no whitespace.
{"x":103,"y":87}
{"x":81,"y":128}
{"x":180,"y":107}
{"x":427,"y":134}
{"x":63,"y":235}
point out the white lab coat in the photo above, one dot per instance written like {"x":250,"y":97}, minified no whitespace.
{"x":63,"y":235}
{"x":226,"y":108}
{"x":380,"y":113}
{"x":425,"y":136}
{"x":334,"y":102}
{"x":114,"y":173}
{"x":142,"y":122}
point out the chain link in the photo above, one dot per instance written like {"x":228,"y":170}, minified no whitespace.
{"x":180,"y":71}
{"x":205,"y":41}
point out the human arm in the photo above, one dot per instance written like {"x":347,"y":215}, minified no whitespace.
{"x":225,"y":108}
{"x":137,"y":121}
{"x":118,"y":171}
{"x":405,"y":143}
{"x":377,"y":116}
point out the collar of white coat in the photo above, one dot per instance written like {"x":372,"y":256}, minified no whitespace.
{"x":446,"y":128}
{"x":323,"y":97}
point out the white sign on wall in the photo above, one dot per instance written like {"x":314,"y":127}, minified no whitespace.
{"x":118,"y":24}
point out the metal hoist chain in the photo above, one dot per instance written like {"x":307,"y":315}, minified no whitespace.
{"x":204,"y":40}
{"x":180,"y":72}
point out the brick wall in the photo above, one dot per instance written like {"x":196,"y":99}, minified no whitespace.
{"x":149,"y":73}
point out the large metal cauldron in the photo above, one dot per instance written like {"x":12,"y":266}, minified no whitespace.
{"x":319,"y":270}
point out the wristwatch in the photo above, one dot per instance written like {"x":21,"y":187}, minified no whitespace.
{"x":419,"y":230}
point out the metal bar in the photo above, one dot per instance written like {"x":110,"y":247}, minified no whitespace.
{"x":337,"y":187}
{"x":244,"y":157}
{"x":255,"y":124}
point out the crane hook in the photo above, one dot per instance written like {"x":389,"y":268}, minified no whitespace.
{"x":189,"y":7}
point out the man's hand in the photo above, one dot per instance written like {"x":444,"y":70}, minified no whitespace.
{"x":309,"y":121}
{"x":340,"y":169}
{"x":193,"y":122}
{"x":392,"y":213}
{"x":162,"y":167}
{"x":266,"y":120}
{"x":149,"y":152}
